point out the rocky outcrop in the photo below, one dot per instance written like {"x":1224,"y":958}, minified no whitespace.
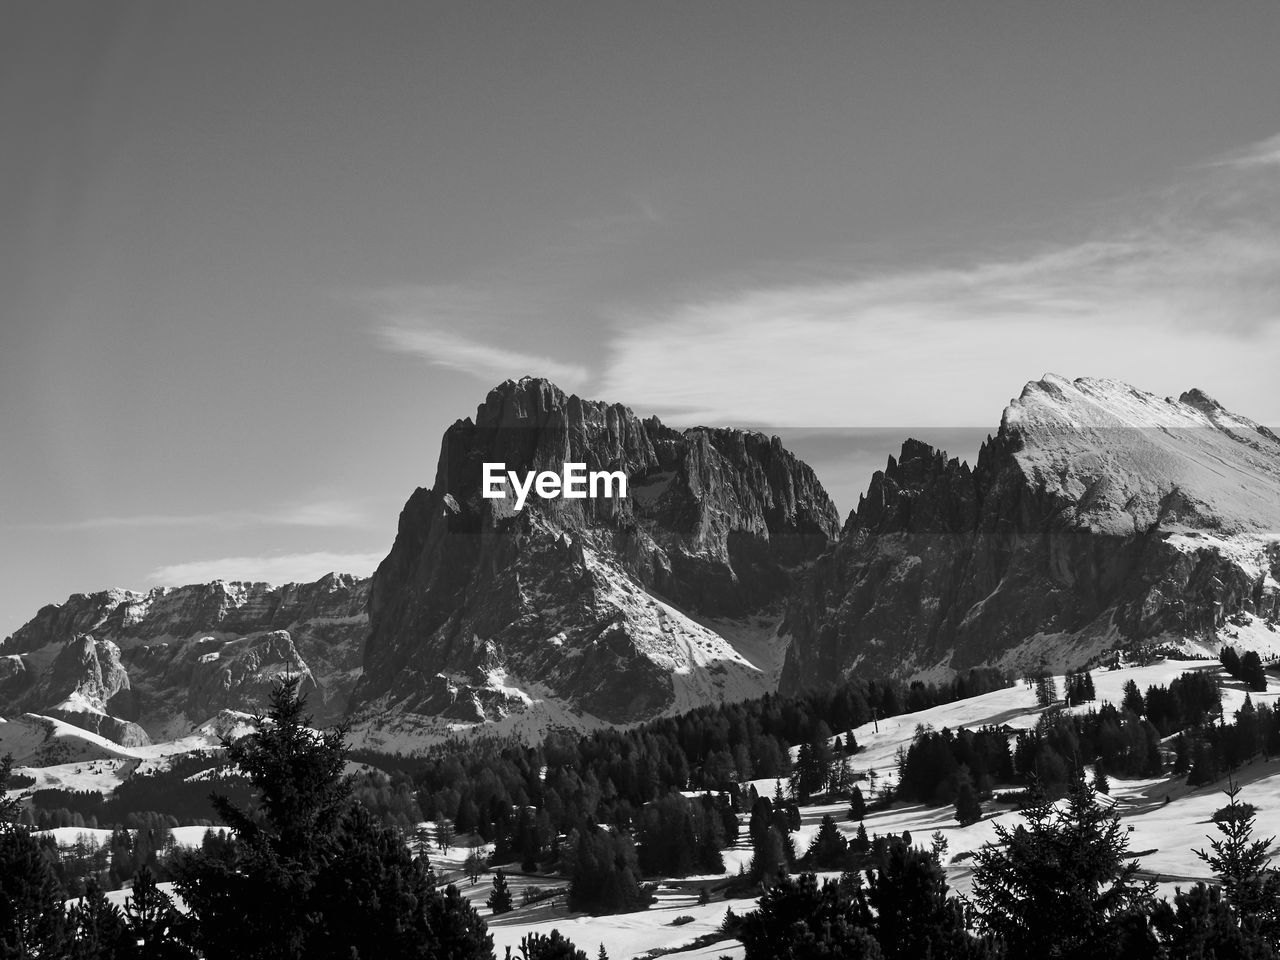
{"x":130,"y":665}
{"x":239,"y":674}
{"x":480,"y":610}
{"x":1097,"y":516}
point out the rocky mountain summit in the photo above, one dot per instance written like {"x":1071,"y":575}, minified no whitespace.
{"x":140,"y":666}
{"x":1098,"y":516}
{"x":586,"y":611}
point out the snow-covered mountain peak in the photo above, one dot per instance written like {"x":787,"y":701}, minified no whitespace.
{"x":1128,"y":460}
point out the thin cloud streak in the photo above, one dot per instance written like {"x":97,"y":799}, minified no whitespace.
{"x":321,"y":514}
{"x":442,"y":348}
{"x":1189,"y":295}
{"x":421,"y":321}
{"x":275,"y":569}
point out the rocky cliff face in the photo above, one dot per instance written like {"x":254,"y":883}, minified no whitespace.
{"x":1096,"y":517}
{"x":583,"y":611}
{"x":136,"y":665}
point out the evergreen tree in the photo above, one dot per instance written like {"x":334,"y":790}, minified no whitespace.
{"x":1200,"y":925}
{"x":906,"y":892}
{"x":444,"y":834}
{"x":1060,"y":885}
{"x":474,"y":866}
{"x":100,"y":930}
{"x":604,"y":873}
{"x":500,"y":899}
{"x":857,"y":805}
{"x":1132,"y":700}
{"x":769,"y":858}
{"x":968,"y":804}
{"x":1252,"y":673}
{"x":33,"y":922}
{"x":553,"y":946}
{"x":1100,"y":782}
{"x":860,"y":845}
{"x":829,"y":847}
{"x":1046,"y":690}
{"x":1205,"y":764}
{"x":315,"y":874}
{"x":797,"y":920}
{"x":153,"y":921}
{"x":1242,"y":867}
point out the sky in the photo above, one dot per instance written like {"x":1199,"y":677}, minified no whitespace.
{"x":255,"y":258}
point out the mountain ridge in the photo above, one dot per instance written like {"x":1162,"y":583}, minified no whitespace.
{"x":1096,"y":516}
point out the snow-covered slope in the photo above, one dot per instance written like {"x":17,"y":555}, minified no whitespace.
{"x":1126,"y":460}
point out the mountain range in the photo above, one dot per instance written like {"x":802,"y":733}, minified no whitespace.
{"x":1097,"y":517}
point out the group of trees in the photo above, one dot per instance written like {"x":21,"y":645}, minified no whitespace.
{"x":312,"y":873}
{"x":1247,"y":669}
{"x":524,"y":798}
{"x":938,"y":765}
{"x":1060,"y":884}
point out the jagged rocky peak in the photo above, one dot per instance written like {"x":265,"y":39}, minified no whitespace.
{"x":588,"y":599}
{"x":1097,"y":516}
{"x":131,"y":665}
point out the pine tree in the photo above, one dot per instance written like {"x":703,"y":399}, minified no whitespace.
{"x":938,"y":845}
{"x":101,"y":932}
{"x":1060,"y":885}
{"x":829,"y":847}
{"x":768,"y":858}
{"x":1242,"y":866}
{"x":968,"y":804}
{"x":33,"y":922}
{"x":1046,"y":690}
{"x":474,"y":866}
{"x":1252,"y":673}
{"x":1200,"y":924}
{"x":1132,"y":700}
{"x":444,"y":834}
{"x":797,"y":920}
{"x":500,"y":899}
{"x":906,"y":892}
{"x":153,"y":920}
{"x":553,"y":946}
{"x":315,"y":874}
{"x":1100,"y":782}
{"x":857,"y":805}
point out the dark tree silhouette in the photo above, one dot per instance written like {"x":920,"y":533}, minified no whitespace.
{"x":1060,"y":884}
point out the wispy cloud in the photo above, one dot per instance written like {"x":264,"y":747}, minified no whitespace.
{"x":480,"y":360}
{"x":1183,"y":292}
{"x":422,"y":322}
{"x":1263,"y":153}
{"x":319,"y":514}
{"x":276,"y":568}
